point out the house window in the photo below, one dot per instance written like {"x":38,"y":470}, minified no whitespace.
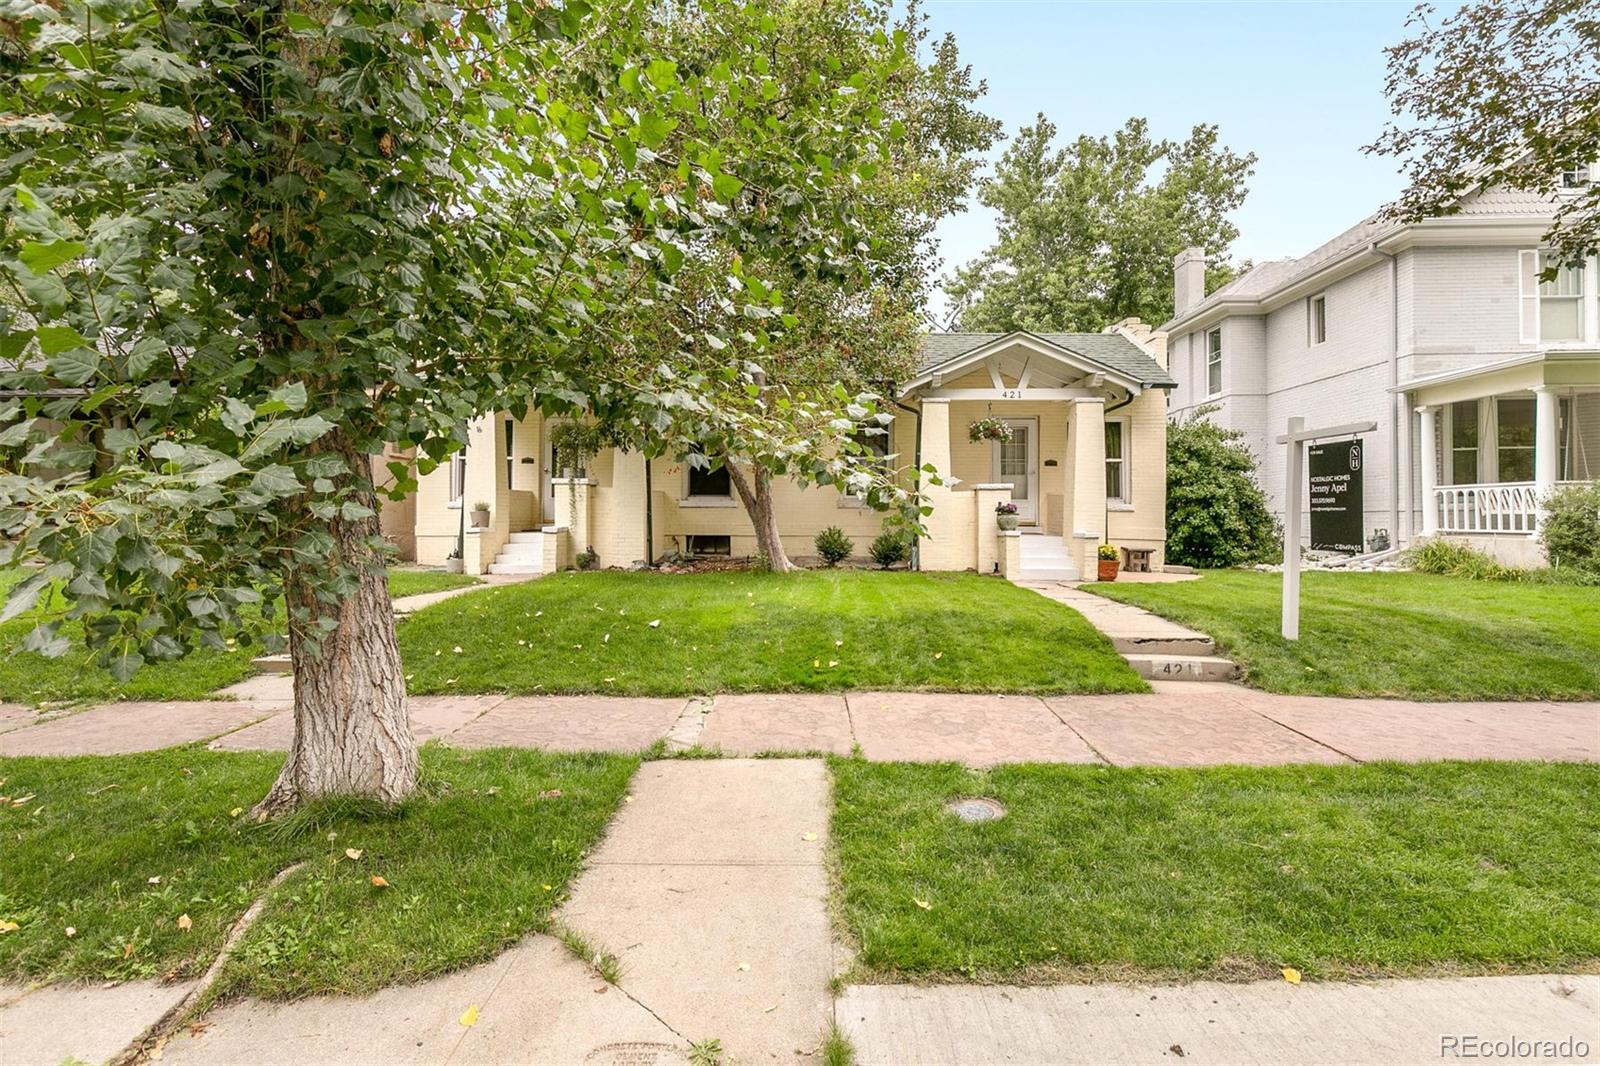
{"x":709,"y":482}
{"x":1551,"y":310}
{"x":510,"y":429}
{"x":1214,"y":362}
{"x":1575,"y":178}
{"x":1317,"y":319}
{"x":1117,"y":461}
{"x":876,"y":446}
{"x":1514,"y":439}
{"x":1464,"y":442}
{"x":708,"y":544}
{"x":458,"y":477}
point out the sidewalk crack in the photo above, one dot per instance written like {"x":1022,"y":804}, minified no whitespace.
{"x":1301,"y":733}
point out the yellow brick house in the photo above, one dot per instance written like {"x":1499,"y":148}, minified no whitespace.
{"x":1086,"y":465}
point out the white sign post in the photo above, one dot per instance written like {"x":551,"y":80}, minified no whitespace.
{"x":1296,"y":440}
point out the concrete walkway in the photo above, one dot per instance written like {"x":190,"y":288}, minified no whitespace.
{"x":1223,"y":1024}
{"x":1157,"y":648}
{"x":1179,"y":724}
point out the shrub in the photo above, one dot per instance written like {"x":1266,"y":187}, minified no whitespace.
{"x":833,"y":546}
{"x":1454,"y":559}
{"x":889,"y":547}
{"x":587,"y":559}
{"x":1570,"y":531}
{"x":1217,"y":515}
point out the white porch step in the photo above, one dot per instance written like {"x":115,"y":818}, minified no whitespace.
{"x":1182,"y":667}
{"x":532,"y":536}
{"x":1064,"y":572}
{"x":521,"y":552}
{"x":498,"y":567}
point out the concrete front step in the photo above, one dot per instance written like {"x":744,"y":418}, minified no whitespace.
{"x":1179,"y":646}
{"x":518,"y":567}
{"x":1048,"y":573}
{"x":527,"y":537}
{"x":520,"y":553}
{"x":1183,"y":667}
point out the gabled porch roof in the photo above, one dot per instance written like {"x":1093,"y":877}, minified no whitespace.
{"x":1062,"y":356}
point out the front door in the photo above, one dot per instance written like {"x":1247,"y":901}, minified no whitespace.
{"x":1016,"y":463}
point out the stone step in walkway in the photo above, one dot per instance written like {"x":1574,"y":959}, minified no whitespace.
{"x":1214,"y":1024}
{"x":1157,"y":649}
{"x":1176,"y":725}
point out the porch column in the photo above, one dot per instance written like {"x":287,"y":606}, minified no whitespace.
{"x":1546,"y":450}
{"x":1085,"y":510}
{"x":485,"y":483}
{"x":948,"y":544}
{"x":1430,"y":472}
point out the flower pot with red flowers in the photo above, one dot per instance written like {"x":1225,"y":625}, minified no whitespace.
{"x":1110,"y":562}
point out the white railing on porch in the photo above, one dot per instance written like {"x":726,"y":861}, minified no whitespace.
{"x":1507,"y":507}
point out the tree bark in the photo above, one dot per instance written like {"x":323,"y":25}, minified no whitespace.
{"x":352,"y":728}
{"x":755,"y":492}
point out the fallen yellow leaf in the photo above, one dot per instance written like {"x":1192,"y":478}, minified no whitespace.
{"x":1291,"y":975}
{"x":352,"y":854}
{"x":808,"y":836}
{"x":471,"y":1015}
{"x":127,"y":950}
{"x":9,"y":927}
{"x":71,"y":932}
{"x":378,"y":882}
{"x":924,"y":904}
{"x":185,"y":922}
{"x":236,"y":812}
{"x":744,"y":966}
{"x":938,"y":655}
{"x":156,"y":880}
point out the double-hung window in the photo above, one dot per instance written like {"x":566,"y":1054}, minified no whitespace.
{"x":458,"y":477}
{"x":1317,"y":319}
{"x":1117,"y":461}
{"x":876,"y":444}
{"x":1552,"y":310}
{"x":1214,"y":361}
{"x":711,"y":483}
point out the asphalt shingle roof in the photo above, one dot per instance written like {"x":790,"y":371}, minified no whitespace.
{"x":1112,"y":351}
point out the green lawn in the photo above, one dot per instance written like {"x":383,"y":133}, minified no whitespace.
{"x":410,"y":581}
{"x":758,"y":632}
{"x":1230,"y":872}
{"x":33,"y":679}
{"x":478,"y":860}
{"x":1394,"y":634}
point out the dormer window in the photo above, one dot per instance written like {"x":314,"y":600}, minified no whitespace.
{"x":1576,"y":177}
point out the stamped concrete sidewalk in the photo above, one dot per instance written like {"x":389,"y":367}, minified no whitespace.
{"x":1179,"y":724}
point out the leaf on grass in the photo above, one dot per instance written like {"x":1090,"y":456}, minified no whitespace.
{"x":1291,"y":975}
{"x":656,"y":624}
{"x":236,"y":812}
{"x":938,"y":655}
{"x":185,"y":922}
{"x":352,"y":854}
{"x":71,"y":932}
{"x":156,"y":880}
{"x":924,"y":904}
{"x":378,"y":882}
{"x":550,"y":793}
{"x":127,"y":950}
{"x":9,"y":927}
{"x":470,"y":1017}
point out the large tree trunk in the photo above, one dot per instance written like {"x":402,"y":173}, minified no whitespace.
{"x":352,"y":730}
{"x":755,"y":492}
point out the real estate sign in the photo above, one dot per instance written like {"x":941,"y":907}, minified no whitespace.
{"x":1336,"y":501}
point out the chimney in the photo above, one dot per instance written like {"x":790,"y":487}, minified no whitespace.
{"x":1188,"y":279}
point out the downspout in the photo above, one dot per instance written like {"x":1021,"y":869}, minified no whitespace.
{"x":916,"y":481}
{"x":1397,"y":402}
{"x":649,"y":517}
{"x":1126,"y":468}
{"x":461,"y":528}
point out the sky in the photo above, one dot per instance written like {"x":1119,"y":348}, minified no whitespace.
{"x":1299,"y":84}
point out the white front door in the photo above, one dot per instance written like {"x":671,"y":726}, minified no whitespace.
{"x":1016,"y":463}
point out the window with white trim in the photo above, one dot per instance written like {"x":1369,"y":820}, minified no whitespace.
{"x":1576,"y":177}
{"x":458,"y":477}
{"x":1464,"y":435}
{"x":1117,"y":461}
{"x":1317,"y":319}
{"x":877,"y":445}
{"x":1551,"y":310}
{"x":1214,"y":361}
{"x":703,"y":483}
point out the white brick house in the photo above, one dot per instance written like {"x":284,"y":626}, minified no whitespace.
{"x":1484,"y":382}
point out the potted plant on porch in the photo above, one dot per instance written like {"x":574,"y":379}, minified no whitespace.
{"x":1110,"y":562}
{"x":480,"y":515}
{"x":1005,"y":514}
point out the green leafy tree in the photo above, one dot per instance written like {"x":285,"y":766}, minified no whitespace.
{"x":248,"y":245}
{"x":1500,"y":92}
{"x":1087,"y":233}
{"x":1217,"y":515}
{"x":839,"y":334}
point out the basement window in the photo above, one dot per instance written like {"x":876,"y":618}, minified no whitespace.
{"x":704,"y":544}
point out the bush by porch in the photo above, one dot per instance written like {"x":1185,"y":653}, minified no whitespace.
{"x":1418,"y":636}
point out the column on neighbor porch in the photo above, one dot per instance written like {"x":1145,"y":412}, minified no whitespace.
{"x":1085,"y":510}
{"x":1430,"y":470}
{"x":570,"y":509}
{"x":485,"y":482}
{"x":948,"y":544}
{"x":1546,"y":450}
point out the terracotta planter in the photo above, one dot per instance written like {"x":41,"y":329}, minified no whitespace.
{"x":480,"y":519}
{"x":1108,"y":569}
{"x":1006,"y":521}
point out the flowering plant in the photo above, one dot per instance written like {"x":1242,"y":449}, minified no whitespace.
{"x":1005,"y":507}
{"x":1108,"y":551}
{"x":989,"y":429}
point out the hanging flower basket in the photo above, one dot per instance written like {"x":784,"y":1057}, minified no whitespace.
{"x":990,"y":429}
